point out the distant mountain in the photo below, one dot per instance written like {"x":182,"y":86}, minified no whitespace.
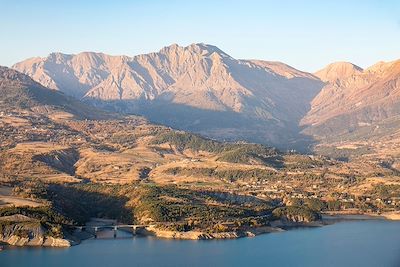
{"x":361,"y":100}
{"x":19,"y":91}
{"x":338,"y":71}
{"x":197,"y":88}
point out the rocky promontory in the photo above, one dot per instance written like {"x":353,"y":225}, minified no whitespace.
{"x":20,"y":230}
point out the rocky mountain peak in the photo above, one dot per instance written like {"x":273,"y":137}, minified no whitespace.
{"x":338,"y":71}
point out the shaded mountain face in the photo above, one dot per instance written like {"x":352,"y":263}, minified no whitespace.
{"x":19,"y":91}
{"x":350,"y":103}
{"x":197,"y":88}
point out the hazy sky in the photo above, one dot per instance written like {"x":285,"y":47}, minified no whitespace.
{"x":305,"y":34}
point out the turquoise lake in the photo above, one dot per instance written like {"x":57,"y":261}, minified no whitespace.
{"x":348,"y":243}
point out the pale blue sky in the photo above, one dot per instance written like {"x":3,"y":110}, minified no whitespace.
{"x":305,"y":34}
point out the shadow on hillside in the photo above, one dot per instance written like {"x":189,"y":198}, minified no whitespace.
{"x":61,"y":160}
{"x":219,"y":125}
{"x":277,"y":162}
{"x":82,"y":202}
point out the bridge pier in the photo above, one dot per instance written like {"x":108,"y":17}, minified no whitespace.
{"x":133,"y":230}
{"x":115,"y":231}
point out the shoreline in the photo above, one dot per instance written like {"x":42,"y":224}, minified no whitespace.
{"x":202,"y":235}
{"x":327,"y":218}
{"x":274,"y":227}
{"x":351,"y":215}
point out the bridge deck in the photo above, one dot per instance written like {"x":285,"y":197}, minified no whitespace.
{"x":112,"y":226}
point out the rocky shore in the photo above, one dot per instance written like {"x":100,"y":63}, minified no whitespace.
{"x":200,"y":235}
{"x":23,"y":231}
{"x":15,"y":240}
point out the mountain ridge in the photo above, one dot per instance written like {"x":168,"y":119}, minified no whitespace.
{"x":198,"y":79}
{"x":20,"y":91}
{"x":360,"y":100}
{"x":202,"y":89}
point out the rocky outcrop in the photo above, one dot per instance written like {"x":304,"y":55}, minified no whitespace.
{"x":57,"y":242}
{"x":296,"y":214}
{"x":15,"y":240}
{"x":199,"y":235}
{"x":20,"y":230}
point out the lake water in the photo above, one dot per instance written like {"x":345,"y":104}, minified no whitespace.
{"x":349,"y":243}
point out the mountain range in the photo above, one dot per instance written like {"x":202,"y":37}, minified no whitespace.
{"x":356,"y":100}
{"x":202,"y":89}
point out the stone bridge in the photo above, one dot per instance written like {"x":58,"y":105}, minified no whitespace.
{"x":96,"y":228}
